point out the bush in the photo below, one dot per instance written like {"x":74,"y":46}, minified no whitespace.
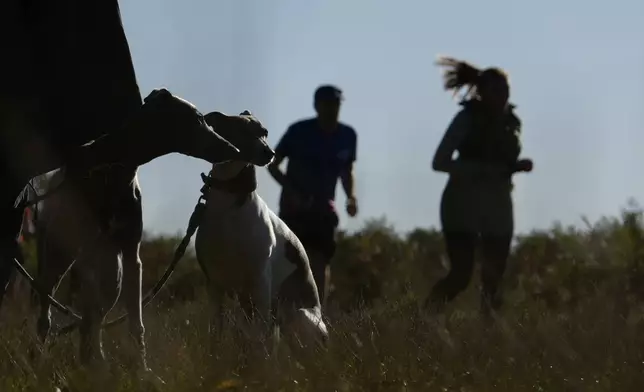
{"x":559,"y":267}
{"x":572,"y":321}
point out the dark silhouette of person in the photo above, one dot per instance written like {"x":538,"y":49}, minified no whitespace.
{"x":476,"y":205}
{"x":70,"y":65}
{"x":319,"y":151}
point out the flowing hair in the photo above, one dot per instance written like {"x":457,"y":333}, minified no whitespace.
{"x":460,"y":74}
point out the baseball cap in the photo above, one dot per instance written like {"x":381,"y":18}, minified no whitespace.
{"x":328,"y":92}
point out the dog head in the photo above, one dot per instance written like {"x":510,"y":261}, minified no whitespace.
{"x":247,"y":134}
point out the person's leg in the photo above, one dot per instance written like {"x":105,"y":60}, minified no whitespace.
{"x":496,"y":249}
{"x":74,"y":284}
{"x":496,"y":234}
{"x":318,"y":240}
{"x":325,"y":245}
{"x":319,"y":267}
{"x":22,"y":151}
{"x":9,"y":232}
{"x":461,"y":252}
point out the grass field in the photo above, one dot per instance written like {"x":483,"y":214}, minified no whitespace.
{"x":573,"y":322}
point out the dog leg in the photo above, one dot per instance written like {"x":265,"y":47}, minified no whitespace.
{"x":261,"y":321}
{"x":304,"y":332}
{"x":102,"y":274}
{"x":132,"y":276}
{"x":74,"y":285}
{"x":53,"y":263}
{"x":217,"y":316}
{"x":261,"y":301}
{"x":310,"y":326}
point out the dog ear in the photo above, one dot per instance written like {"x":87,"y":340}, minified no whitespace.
{"x":157,"y":93}
{"x":246,"y":113}
{"x":213,"y":118}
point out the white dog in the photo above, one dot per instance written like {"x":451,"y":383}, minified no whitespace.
{"x":247,"y":251}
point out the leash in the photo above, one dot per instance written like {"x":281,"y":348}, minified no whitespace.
{"x":63,"y":308}
{"x":193,"y":225}
{"x":38,"y":198}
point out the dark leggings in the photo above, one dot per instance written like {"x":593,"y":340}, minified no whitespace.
{"x":461,"y":249}
{"x":317,"y":234}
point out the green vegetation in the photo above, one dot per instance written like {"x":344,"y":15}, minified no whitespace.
{"x":572,"y":322}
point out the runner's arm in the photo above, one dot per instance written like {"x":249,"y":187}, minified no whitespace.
{"x":282,"y":150}
{"x":444,"y":157}
{"x":347,"y":176}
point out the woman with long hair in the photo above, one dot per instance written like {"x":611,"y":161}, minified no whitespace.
{"x":476,"y":205}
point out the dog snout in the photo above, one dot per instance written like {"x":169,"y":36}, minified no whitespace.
{"x":263,"y":155}
{"x":267,"y":155}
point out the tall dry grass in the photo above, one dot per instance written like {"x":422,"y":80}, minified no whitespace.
{"x":572,"y":322}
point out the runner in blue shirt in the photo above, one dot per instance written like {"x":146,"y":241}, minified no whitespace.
{"x":319,"y":151}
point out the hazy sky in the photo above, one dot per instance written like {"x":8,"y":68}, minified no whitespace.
{"x":576,"y":67}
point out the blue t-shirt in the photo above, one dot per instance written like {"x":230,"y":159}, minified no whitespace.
{"x":316,"y":159}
